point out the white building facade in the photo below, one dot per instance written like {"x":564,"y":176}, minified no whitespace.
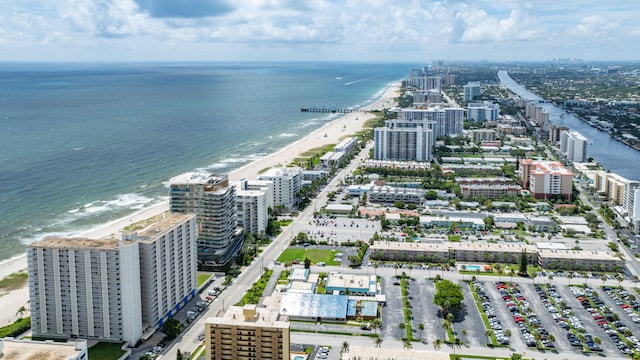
{"x":574,"y":146}
{"x":286,"y":185}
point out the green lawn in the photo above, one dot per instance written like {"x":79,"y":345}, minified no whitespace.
{"x":315,"y":255}
{"x":105,"y":351}
{"x":203,"y":277}
{"x":14,"y":281}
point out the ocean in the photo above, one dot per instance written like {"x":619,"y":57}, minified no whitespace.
{"x":84,"y":144}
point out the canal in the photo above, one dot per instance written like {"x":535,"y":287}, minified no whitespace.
{"x":610,"y":154}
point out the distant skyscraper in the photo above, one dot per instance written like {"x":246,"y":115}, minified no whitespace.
{"x":471,"y":91}
{"x":213,"y":201}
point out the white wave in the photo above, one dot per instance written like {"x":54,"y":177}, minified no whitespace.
{"x":287,"y":135}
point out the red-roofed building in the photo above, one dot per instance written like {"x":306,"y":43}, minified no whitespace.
{"x":545,"y":178}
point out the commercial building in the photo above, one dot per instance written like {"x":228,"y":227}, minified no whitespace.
{"x":471,"y":91}
{"x":317,"y":307}
{"x":545,"y":178}
{"x":482,"y":111}
{"x":109,"y":289}
{"x":248,"y":332}
{"x":251,"y":209}
{"x":338,"y":283}
{"x":25,"y":349}
{"x":287,"y":182}
{"x":389,"y":195}
{"x":573,"y":146}
{"x":213,"y":201}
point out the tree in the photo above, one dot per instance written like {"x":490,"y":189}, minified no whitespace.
{"x":307,"y":263}
{"x":345,"y":347}
{"x":179,"y":355}
{"x":146,"y":357}
{"x":619,"y":277}
{"x":448,"y":296}
{"x":457,"y":343}
{"x":395,"y":268}
{"x":406,"y":344}
{"x":402,"y":327}
{"x":550,"y":277}
{"x":569,"y":277}
{"x":437,"y":344}
{"x":512,"y":272}
{"x":21,"y":311}
{"x":421,"y":329}
{"x":516,"y":356}
{"x":377,"y":341}
{"x":523,"y":264}
{"x":172,"y":328}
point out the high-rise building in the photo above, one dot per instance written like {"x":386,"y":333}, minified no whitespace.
{"x":111,"y":289}
{"x":403,"y":143}
{"x":471,"y":91}
{"x":481,"y":112}
{"x":251,"y":208}
{"x":555,"y":132}
{"x":213,"y":201}
{"x":85,"y":288}
{"x":629,"y":203}
{"x":168,"y":267}
{"x":574,"y":146}
{"x":545,"y":178}
{"x":247,"y":332}
{"x":287,"y":182}
{"x":23,"y":349}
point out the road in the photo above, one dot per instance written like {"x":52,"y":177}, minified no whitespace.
{"x":188,"y":340}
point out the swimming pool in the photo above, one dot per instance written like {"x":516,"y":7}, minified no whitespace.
{"x":298,"y":357}
{"x":472,"y":267}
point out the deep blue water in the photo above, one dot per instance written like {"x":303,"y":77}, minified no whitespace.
{"x":84,"y":144}
{"x":609,"y":153}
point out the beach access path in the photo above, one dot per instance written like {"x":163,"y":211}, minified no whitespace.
{"x":331,"y":133}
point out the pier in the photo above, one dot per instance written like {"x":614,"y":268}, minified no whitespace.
{"x":327,"y":110}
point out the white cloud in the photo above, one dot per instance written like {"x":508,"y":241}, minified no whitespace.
{"x":355,"y":29}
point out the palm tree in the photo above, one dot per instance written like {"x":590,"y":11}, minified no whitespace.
{"x":550,"y":277}
{"x":377,"y":341}
{"x":569,"y":277}
{"x":21,"y":311}
{"x":437,"y":344}
{"x":410,"y":267}
{"x":345,"y":347}
{"x":395,"y":268}
{"x":375,"y":268}
{"x":457,"y":343}
{"x":450,"y":318}
{"x":619,"y":277}
{"x":421,"y":328}
{"x":406,"y":344}
{"x":512,"y":272}
{"x":603,"y":277}
{"x":401,"y":326}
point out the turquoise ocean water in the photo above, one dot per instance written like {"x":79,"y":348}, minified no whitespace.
{"x":84,"y":144}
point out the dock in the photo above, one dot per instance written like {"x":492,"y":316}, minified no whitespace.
{"x":327,"y":110}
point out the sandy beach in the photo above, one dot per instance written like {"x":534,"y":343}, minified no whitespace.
{"x":331,"y":133}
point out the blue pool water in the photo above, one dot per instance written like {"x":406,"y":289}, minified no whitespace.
{"x":473,"y":267}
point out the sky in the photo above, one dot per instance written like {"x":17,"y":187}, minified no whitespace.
{"x":318,"y":30}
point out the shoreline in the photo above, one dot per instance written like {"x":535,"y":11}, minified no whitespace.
{"x":330,"y":133}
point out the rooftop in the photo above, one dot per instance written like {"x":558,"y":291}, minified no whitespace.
{"x":75,"y":243}
{"x":42,"y":350}
{"x":168,"y":222}
{"x":250,"y":315}
{"x":374,"y":353}
{"x":197,"y":178}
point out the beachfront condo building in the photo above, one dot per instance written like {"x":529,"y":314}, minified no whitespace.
{"x":213,"y":201}
{"x":287,"y":182}
{"x":555,"y":132}
{"x":424,"y":97}
{"x":573,"y":146}
{"x":471,"y":91}
{"x":545,"y":179}
{"x":110,"y":289}
{"x":168,"y":267}
{"x":251,"y":206}
{"x":85,"y":288}
{"x":25,"y":349}
{"x":247,"y":332}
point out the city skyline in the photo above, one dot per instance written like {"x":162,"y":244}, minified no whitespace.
{"x":322,"y":30}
